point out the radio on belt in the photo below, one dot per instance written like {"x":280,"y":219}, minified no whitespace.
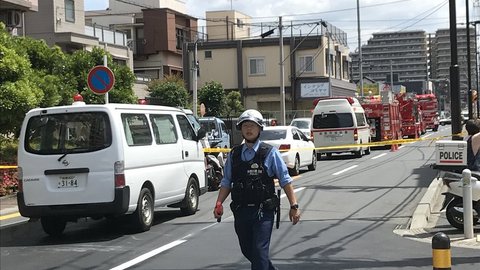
{"x":451,"y":153}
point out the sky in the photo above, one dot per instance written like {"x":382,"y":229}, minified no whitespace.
{"x":375,"y":15}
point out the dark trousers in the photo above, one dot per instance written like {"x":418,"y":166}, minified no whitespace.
{"x":254,"y":235}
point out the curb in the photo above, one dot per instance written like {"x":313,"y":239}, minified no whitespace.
{"x":8,"y":204}
{"x":422,"y":213}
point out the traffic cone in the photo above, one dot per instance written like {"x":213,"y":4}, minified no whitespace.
{"x":393,"y":148}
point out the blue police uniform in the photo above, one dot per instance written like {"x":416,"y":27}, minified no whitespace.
{"x":249,"y":174}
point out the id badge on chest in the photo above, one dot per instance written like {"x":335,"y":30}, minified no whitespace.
{"x":254,"y":170}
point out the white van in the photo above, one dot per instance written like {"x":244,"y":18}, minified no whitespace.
{"x":216,"y":130}
{"x":338,"y":121}
{"x":106,"y":161}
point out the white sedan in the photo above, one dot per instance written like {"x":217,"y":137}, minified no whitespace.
{"x":296,"y":149}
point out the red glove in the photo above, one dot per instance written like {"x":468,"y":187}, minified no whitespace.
{"x":218,"y":212}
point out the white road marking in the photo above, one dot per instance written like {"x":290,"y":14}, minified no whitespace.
{"x":379,"y":156}
{"x":344,"y":170}
{"x":295,"y":190}
{"x":148,"y":255}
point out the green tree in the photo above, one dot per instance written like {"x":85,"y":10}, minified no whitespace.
{"x":18,"y":91}
{"x":213,"y":96}
{"x":234,"y":105}
{"x":80,"y":63}
{"x":170,"y":91}
{"x":34,"y":75}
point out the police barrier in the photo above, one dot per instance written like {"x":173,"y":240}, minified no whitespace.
{"x":371,"y":144}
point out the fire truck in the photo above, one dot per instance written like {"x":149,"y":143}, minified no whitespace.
{"x":429,"y":106}
{"x":384,"y":118}
{"x":412,"y":121}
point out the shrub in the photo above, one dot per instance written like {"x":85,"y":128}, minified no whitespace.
{"x":8,"y":182}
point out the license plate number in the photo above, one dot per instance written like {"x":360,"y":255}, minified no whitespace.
{"x":68,"y":182}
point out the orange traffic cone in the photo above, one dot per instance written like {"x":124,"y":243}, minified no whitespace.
{"x":393,"y":148}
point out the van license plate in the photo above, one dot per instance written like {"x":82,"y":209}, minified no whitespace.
{"x":67,"y":182}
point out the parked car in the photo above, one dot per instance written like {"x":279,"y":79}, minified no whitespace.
{"x":296,"y":149}
{"x":445,"y":121}
{"x":304,"y":124}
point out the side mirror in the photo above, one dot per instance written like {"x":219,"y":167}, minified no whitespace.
{"x":201,"y":134}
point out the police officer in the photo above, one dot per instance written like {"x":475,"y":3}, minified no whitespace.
{"x":249,"y":175}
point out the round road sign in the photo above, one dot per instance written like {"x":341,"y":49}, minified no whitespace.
{"x":100,"y":79}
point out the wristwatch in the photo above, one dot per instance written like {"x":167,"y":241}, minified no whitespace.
{"x":294,"y":207}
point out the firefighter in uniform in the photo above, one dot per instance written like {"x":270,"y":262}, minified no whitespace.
{"x":249,"y":175}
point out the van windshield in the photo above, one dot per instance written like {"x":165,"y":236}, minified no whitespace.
{"x":68,"y":133}
{"x":207,"y":125}
{"x":332,"y":120}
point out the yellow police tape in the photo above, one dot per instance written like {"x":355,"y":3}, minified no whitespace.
{"x":371,"y":144}
{"x":5,"y":167}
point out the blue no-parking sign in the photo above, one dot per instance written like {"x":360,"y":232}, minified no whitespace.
{"x":100,"y":79}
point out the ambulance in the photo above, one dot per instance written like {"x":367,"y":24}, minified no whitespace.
{"x":339,"y":125}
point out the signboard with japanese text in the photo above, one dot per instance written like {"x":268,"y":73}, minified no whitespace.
{"x":314,"y":90}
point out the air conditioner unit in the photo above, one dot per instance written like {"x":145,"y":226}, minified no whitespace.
{"x":14,"y":18}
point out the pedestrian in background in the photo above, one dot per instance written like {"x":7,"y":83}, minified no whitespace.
{"x":249,"y":175}
{"x":473,"y":127}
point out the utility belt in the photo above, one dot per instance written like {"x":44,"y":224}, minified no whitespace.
{"x":252,"y":192}
{"x":271,"y":203}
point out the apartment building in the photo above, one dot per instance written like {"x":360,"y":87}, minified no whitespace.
{"x":403,"y":55}
{"x":155,"y":30}
{"x":12,"y":14}
{"x":62,"y":23}
{"x":252,"y":66}
{"x":227,"y":25}
{"x":441,"y":61}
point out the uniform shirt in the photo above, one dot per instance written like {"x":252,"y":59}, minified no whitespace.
{"x":273,"y":163}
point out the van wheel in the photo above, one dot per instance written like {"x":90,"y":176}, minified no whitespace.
{"x":143,"y":216}
{"x":296,"y":167}
{"x":190,"y":202}
{"x":367,"y":151}
{"x":53,"y":226}
{"x":313,"y":166}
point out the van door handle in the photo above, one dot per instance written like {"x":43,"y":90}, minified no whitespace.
{"x":186,"y":153}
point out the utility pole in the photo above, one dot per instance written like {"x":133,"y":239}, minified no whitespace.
{"x":469,"y":73}
{"x":282,"y":70}
{"x":454,"y":74}
{"x":194,"y":79}
{"x":327,"y":64}
{"x":105,"y":64}
{"x":359,"y":49}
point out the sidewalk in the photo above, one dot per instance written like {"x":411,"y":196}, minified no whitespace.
{"x":8,"y":204}
{"x":427,"y":220}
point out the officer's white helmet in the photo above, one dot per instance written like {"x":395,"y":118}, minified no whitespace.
{"x":250,"y":115}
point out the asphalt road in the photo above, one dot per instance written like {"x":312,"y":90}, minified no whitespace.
{"x":352,"y":212}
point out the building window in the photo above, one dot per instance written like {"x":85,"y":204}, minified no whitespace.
{"x":257,"y":66}
{"x":70,"y":10}
{"x":208,"y":54}
{"x":306,"y":63}
{"x":180,"y":38}
{"x":239,"y":23}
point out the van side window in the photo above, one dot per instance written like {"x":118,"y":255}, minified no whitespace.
{"x":360,"y":119}
{"x":164,"y":129}
{"x":224,"y":127}
{"x":186,"y":128}
{"x":136,"y":128}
